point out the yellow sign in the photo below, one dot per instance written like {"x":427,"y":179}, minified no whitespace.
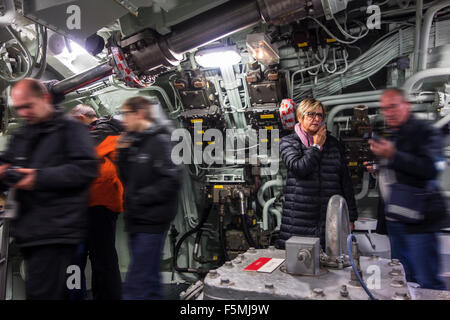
{"x":331,"y":40}
{"x":302,"y":45}
{"x":196,"y":120}
{"x":267,"y":116}
{"x":218,"y":187}
{"x":353,"y":164}
{"x":269,"y":128}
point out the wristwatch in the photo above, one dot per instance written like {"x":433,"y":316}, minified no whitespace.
{"x":317,"y":146}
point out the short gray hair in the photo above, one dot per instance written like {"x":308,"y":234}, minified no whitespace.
{"x":83,"y":110}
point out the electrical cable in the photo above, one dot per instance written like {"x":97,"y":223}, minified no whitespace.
{"x":351,"y":238}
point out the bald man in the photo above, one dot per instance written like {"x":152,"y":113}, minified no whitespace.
{"x":50,"y":161}
{"x":411,"y":157}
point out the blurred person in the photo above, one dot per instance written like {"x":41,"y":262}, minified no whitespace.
{"x":411,"y":156}
{"x":54,"y":161}
{"x":151,"y":182}
{"x":106,"y":202}
{"x":317,"y":170}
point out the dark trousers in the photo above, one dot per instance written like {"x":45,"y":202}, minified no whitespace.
{"x":419,"y":254}
{"x":47,"y":271}
{"x":101,"y":249}
{"x":143,"y":279}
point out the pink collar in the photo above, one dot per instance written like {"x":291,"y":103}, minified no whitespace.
{"x":306,"y":139}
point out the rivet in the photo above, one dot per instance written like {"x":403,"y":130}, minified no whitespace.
{"x":344,"y":291}
{"x":224,"y":281}
{"x":318,"y":291}
{"x":397,"y":283}
{"x":269,"y":285}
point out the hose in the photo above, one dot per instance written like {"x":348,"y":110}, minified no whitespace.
{"x":222,"y":239}
{"x":351,"y":238}
{"x":247,"y":234}
{"x":27,"y":54}
{"x":197,"y":242}
{"x":180,"y":242}
{"x":43,"y":62}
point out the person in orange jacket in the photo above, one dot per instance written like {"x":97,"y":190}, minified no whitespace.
{"x":106,"y":202}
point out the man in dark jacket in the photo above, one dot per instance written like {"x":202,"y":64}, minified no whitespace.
{"x":105,"y":204}
{"x":57,"y":162}
{"x":412,"y":156}
{"x":151,"y":182}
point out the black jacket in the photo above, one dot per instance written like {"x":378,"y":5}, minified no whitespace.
{"x":313,"y":177}
{"x":104,"y":127}
{"x":418,"y":148}
{"x":151,"y":181}
{"x":62,"y":152}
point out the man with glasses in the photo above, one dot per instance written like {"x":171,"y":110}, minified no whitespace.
{"x":151,"y":182}
{"x":50,"y":161}
{"x":411,"y":156}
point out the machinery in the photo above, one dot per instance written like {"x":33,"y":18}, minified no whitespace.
{"x":221,"y":70}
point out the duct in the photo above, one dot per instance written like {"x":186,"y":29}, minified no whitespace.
{"x":213,"y":24}
{"x":340,"y":108}
{"x":352,"y":100}
{"x":419,"y":14}
{"x":277,"y":213}
{"x":349,"y":95}
{"x":409,"y":84}
{"x":231,"y":85}
{"x":428,"y":20}
{"x":337,"y":228}
{"x":265,"y":186}
{"x":365,"y":187}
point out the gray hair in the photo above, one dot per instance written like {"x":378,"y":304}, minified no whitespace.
{"x":83,"y":110}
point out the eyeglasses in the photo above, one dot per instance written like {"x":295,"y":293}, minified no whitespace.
{"x":313,"y":115}
{"x":24,"y":107}
{"x":124,"y":112}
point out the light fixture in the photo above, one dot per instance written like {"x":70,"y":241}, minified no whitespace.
{"x":259,"y":46}
{"x":218,"y":57}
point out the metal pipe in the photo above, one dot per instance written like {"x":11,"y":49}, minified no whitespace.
{"x":266,"y":208}
{"x":426,"y":29}
{"x":349,"y":95}
{"x":365,"y":187}
{"x":361,"y":99}
{"x":340,"y":108}
{"x":83,"y":79}
{"x":419,"y":14}
{"x":264,"y":187}
{"x":213,"y":24}
{"x":424,"y":74}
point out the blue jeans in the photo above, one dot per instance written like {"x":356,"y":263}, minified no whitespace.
{"x":419,"y":254}
{"x":143,"y":280}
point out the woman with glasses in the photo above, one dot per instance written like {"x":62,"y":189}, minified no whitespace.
{"x":317,"y":170}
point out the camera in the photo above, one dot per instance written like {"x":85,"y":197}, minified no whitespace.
{"x":372,"y":136}
{"x":12,"y":177}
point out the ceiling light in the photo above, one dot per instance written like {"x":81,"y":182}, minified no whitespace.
{"x":218,"y":57}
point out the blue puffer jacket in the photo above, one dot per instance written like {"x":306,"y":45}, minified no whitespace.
{"x":313,"y":177}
